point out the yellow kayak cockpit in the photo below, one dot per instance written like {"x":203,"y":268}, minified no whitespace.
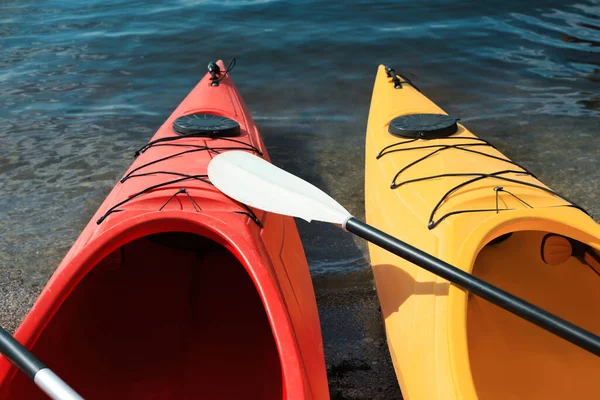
{"x":512,"y":358}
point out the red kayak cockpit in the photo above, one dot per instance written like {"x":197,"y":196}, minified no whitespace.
{"x":167,"y":316}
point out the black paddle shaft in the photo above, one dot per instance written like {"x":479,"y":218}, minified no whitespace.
{"x":560,"y":327}
{"x":19,"y":355}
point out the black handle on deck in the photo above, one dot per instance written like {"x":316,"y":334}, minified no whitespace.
{"x":19,"y":355}
{"x":560,"y":327}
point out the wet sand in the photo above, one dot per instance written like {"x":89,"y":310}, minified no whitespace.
{"x":358,"y":362}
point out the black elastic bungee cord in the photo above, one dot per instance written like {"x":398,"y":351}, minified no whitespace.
{"x":441,"y":147}
{"x":161,"y":141}
{"x":194,"y":150}
{"x":160,"y":160}
{"x":479,"y":176}
{"x":182,"y":190}
{"x":204,"y":177}
{"x":386,"y":149}
{"x":115,"y":208}
{"x":475,"y":175}
{"x":249,"y":213}
{"x":499,"y":189}
{"x":457,"y":147}
{"x":184,"y":177}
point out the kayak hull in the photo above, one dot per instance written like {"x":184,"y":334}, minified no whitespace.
{"x":444,"y":342}
{"x":181,"y":293}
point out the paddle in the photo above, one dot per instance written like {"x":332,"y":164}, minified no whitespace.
{"x":258,"y":183}
{"x":41,"y":375}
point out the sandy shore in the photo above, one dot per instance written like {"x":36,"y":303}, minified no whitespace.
{"x":356,"y":353}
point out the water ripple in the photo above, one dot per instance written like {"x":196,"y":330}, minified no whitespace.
{"x":85,"y":83}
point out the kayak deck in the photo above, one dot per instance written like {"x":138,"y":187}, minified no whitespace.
{"x":157,"y":321}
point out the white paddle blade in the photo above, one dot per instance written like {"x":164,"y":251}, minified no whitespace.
{"x":258,"y":183}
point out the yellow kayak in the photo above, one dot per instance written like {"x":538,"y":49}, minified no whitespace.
{"x":433,"y":184}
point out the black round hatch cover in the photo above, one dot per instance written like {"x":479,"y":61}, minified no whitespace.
{"x":423,"y":126}
{"x":204,"y":124}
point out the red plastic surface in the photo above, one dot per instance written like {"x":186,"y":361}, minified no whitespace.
{"x":126,"y":316}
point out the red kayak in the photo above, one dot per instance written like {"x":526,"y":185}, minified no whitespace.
{"x":175,"y":291}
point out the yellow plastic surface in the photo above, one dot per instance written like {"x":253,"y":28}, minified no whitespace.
{"x":446,"y":344}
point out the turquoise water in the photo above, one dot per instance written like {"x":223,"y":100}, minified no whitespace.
{"x":85,"y":83}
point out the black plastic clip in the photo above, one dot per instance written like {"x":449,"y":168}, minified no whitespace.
{"x":391,"y":73}
{"x":214,"y":70}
